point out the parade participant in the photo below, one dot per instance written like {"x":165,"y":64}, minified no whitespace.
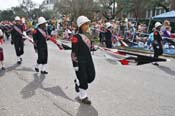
{"x":6,"y":30}
{"x":40,"y":38}
{"x":82,"y":59}
{"x":1,"y":50}
{"x":17,"y":39}
{"x":102,"y":36}
{"x":108,"y":35}
{"x":157,"y":42}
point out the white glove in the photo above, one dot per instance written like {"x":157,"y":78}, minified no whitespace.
{"x":76,"y":68}
{"x":24,"y":33}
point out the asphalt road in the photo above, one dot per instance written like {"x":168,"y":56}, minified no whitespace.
{"x":145,"y":90}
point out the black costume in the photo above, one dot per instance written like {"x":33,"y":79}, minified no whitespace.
{"x":157,"y":44}
{"x":102,"y":37}
{"x":17,"y":39}
{"x":108,"y":38}
{"x":40,"y":39}
{"x":81,"y":58}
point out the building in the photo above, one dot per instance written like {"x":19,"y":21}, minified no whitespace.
{"x":150,"y":12}
{"x":49,"y":4}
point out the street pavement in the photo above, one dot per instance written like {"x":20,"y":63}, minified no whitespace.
{"x":145,"y":90}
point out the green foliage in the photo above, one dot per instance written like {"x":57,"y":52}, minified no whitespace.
{"x":6,"y":15}
{"x":19,"y":11}
{"x":22,"y":12}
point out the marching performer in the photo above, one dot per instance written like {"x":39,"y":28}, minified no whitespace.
{"x":108,"y":35}
{"x":82,"y":59}
{"x":17,"y":39}
{"x":40,"y":38}
{"x":157,"y":42}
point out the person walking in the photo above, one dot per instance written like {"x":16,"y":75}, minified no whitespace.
{"x":17,"y":39}
{"x":40,"y":37}
{"x":157,"y":42}
{"x":82,"y":59}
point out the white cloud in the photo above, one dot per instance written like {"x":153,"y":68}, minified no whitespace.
{"x":5,"y":4}
{"x":38,"y":1}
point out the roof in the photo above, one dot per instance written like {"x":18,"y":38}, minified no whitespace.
{"x":167,"y":15}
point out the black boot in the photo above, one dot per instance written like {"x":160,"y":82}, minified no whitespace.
{"x":156,"y":64}
{"x":3,"y":68}
{"x":36,"y":69}
{"x":44,"y":72}
{"x":86,"y":101}
{"x":19,"y":62}
{"x":76,"y":86}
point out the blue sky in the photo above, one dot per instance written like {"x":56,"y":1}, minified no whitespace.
{"x":5,"y":4}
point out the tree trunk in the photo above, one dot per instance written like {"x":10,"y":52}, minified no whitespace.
{"x":172,"y":4}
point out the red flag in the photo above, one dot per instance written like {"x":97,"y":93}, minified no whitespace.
{"x":52,"y":39}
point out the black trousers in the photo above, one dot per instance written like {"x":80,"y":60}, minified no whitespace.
{"x":42,"y":56}
{"x":86,"y":74}
{"x":7,"y":35}
{"x":158,"y":50}
{"x":1,"y":54}
{"x":19,"y":47}
{"x":108,"y":43}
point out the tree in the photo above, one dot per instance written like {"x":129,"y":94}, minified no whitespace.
{"x":7,"y":15}
{"x":19,"y":11}
{"x":112,"y":8}
{"x":48,"y":14}
{"x":137,"y":8}
{"x":28,"y":6}
{"x":172,"y":4}
{"x":76,"y":7}
{"x":106,"y":9}
{"x":152,"y":4}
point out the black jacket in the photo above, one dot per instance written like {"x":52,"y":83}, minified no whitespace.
{"x":40,"y":46}
{"x":16,"y":36}
{"x":108,"y":37}
{"x":80,"y":51}
{"x":40,"y":40}
{"x":157,"y":38}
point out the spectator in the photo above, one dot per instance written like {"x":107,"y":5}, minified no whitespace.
{"x":167,"y":32}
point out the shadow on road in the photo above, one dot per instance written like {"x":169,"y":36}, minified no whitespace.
{"x":25,"y":69}
{"x":83,"y":110}
{"x":29,"y":90}
{"x":62,"y":109}
{"x":2,"y":73}
{"x":13,"y":67}
{"x":8,"y":69}
{"x":167,"y":70}
{"x":86,"y":110}
{"x":58,"y":92}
